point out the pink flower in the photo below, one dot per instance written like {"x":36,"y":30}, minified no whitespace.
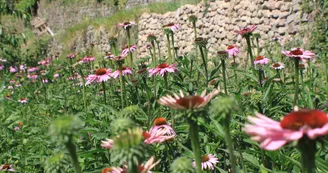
{"x":17,"y":128}
{"x":126,"y":50}
{"x":3,"y":60}
{"x":246,"y":30}
{"x":127,"y":25}
{"x":299,"y":53}
{"x":262,"y":60}
{"x":159,"y":133}
{"x":173,"y":27}
{"x":101,"y":75}
{"x":22,"y":67}
{"x":183,"y":102}
{"x":71,"y":56}
{"x":232,"y":50}
{"x":208,"y":162}
{"x":56,"y":75}
{"x":125,"y":71}
{"x":7,"y":168}
{"x":162,"y":69}
{"x":45,"y":81}
{"x":160,"y":124}
{"x":87,"y":59}
{"x":18,"y":85}
{"x":273,"y":134}
{"x":10,"y":87}
{"x":44,"y":62}
{"x":119,"y":58}
{"x":12,"y":69}
{"x":22,"y":100}
{"x":108,"y":143}
{"x":12,"y":81}
{"x":32,"y":69}
{"x":109,"y":56}
{"x":278,"y":66}
{"x":1,"y":67}
{"x":32,"y":77}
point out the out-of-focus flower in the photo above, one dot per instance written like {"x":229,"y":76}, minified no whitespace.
{"x":71,"y":56}
{"x":45,"y":81}
{"x":1,"y":67}
{"x":10,"y":87}
{"x":109,"y":56}
{"x":232,"y":50}
{"x":3,"y":60}
{"x":278,"y":66}
{"x":32,"y":69}
{"x":273,"y":134}
{"x":172,"y":26}
{"x":108,"y":143}
{"x":12,"y":81}
{"x":17,"y":128}
{"x":261,"y":60}
{"x":12,"y":69}
{"x":127,"y":25}
{"x":247,"y":30}
{"x":299,"y":53}
{"x":33,"y":77}
{"x":101,"y":75}
{"x":162,"y":69}
{"x":208,"y":162}
{"x":87,"y":59}
{"x":276,"y":38}
{"x":126,"y":50}
{"x":22,"y":67}
{"x":7,"y":168}
{"x":56,"y":75}
{"x":187,"y":102}
{"x":22,"y":100}
{"x":125,"y":71}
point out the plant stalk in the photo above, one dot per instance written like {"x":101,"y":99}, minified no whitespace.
{"x":72,"y":152}
{"x":169,"y":48}
{"x":193,"y":131}
{"x":230,"y":143}
{"x":104,"y":91}
{"x":307,"y":147}
{"x":297,"y":61}
{"x":204,"y":62}
{"x":224,"y":76}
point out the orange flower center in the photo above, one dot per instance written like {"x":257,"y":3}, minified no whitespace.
{"x":296,"y":52}
{"x":6,"y":166}
{"x":141,"y":168}
{"x":259,"y":58}
{"x":231,"y":47}
{"x":222,"y":53}
{"x":311,"y":118}
{"x":106,"y":170}
{"x":170,"y":24}
{"x":126,"y":23}
{"x":160,"y":121}
{"x":101,"y":71}
{"x":190,"y":101}
{"x":123,"y":67}
{"x":145,"y":135}
{"x":276,"y":65}
{"x":205,"y":158}
{"x":22,"y":99}
{"x":163,"y":65}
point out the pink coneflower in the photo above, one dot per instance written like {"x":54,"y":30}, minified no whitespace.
{"x":3,"y":60}
{"x":158,"y":136}
{"x":299,"y":53}
{"x":87,"y":59}
{"x":278,"y":66}
{"x":162,"y":69}
{"x":22,"y":67}
{"x":10,"y":87}
{"x":56,"y":75}
{"x":101,"y":75}
{"x":18,"y":85}
{"x":127,"y":25}
{"x":125,"y":71}
{"x":119,"y":58}
{"x":109,"y":56}
{"x":33,"y":77}
{"x":108,"y":143}
{"x":32,"y":69}
{"x":161,"y":124}
{"x":12,"y":81}
{"x":22,"y":100}
{"x":261,"y":60}
{"x":7,"y":168}
{"x":273,"y":134}
{"x":232,"y":50}
{"x":144,"y":168}
{"x":246,"y":30}
{"x":1,"y":67}
{"x":44,"y":62}
{"x":171,"y":26}
{"x":183,"y":102}
{"x":208,"y":162}
{"x":126,"y":50}
{"x":45,"y":81}
{"x":17,"y":128}
{"x":71,"y":56}
{"x":12,"y":69}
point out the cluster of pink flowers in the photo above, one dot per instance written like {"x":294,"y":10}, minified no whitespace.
{"x":261,"y":60}
{"x":126,"y":50}
{"x":162,"y":69}
{"x":299,"y":54}
{"x":160,"y":132}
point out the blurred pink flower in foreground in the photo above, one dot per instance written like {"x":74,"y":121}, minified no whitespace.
{"x":101,"y":75}
{"x":262,"y":60}
{"x":7,"y":168}
{"x":162,"y":69}
{"x":232,"y":50}
{"x":208,"y":162}
{"x":32,"y":69}
{"x":246,"y":30}
{"x":12,"y":69}
{"x":108,"y":143}
{"x":273,"y":134}
{"x":125,"y":71}
{"x":299,"y":53}
{"x":144,"y":168}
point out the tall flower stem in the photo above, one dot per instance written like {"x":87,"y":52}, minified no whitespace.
{"x":260,"y":77}
{"x":154,"y":53}
{"x":326,"y":66}
{"x":72,"y":152}
{"x":104,"y":91}
{"x":307,"y":148}
{"x":172,"y":40}
{"x":165,"y":81}
{"x":195,"y":36}
{"x":230,"y":143}
{"x":297,"y":62}
{"x":83,"y":91}
{"x":169,"y":48}
{"x":158,"y":48}
{"x":121,"y":86}
{"x":224,"y":76}
{"x":249,"y":49}
{"x":148,"y":100}
{"x":234,"y":67}
{"x":204,"y":62}
{"x":129,"y":45}
{"x":193,"y":131}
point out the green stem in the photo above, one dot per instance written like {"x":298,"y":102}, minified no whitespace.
{"x":104,"y":90}
{"x":83,"y":91}
{"x":205,"y":64}
{"x":159,"y":50}
{"x":234,"y":67}
{"x":154,"y":53}
{"x":249,"y":49}
{"x":121,"y":86}
{"x":148,"y":100}
{"x":307,"y":148}
{"x":165,"y":81}
{"x":224,"y":76}
{"x":193,"y":131}
{"x":172,"y":39}
{"x":297,"y":61}
{"x":72,"y":151}
{"x":230,"y":143}
{"x":326,"y":66}
{"x":260,"y":78}
{"x":129,"y":45}
{"x":169,"y":48}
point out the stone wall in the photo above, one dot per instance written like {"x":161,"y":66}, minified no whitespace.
{"x":273,"y":17}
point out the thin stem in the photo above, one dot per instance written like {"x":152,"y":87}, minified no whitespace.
{"x":326,"y":66}
{"x":229,"y":143}
{"x":169,"y":48}
{"x":204,"y":62}
{"x":260,"y":78}
{"x":224,"y":76}
{"x":121,"y":86}
{"x":297,"y":61}
{"x":148,"y":101}
{"x":159,"y":50}
{"x":83,"y":91}
{"x":307,"y":148}
{"x":193,"y":131}
{"x":104,"y":91}
{"x":165,"y":81}
{"x":72,"y":151}
{"x":249,"y":49}
{"x":174,"y":51}
{"x":129,"y":45}
{"x":154,"y":53}
{"x":234,"y":67}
